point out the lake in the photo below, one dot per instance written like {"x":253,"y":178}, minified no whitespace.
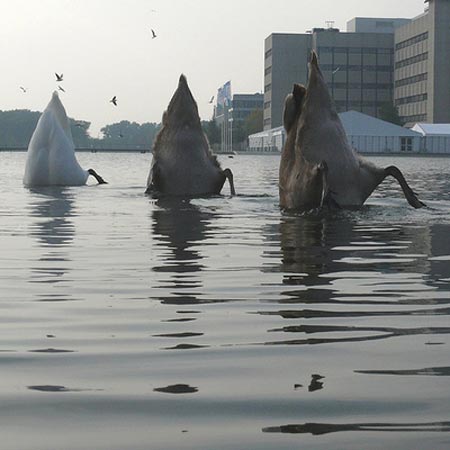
{"x":221,"y":323}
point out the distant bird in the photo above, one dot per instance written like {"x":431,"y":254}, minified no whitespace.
{"x":23,"y":89}
{"x":59,"y":77}
{"x":153,"y":33}
{"x":61,"y":88}
{"x":120,"y":135}
{"x":114,"y":101}
{"x":212,"y":99}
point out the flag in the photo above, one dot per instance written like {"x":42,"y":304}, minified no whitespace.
{"x":224,"y":94}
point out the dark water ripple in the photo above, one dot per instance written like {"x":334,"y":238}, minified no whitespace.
{"x":195,"y":323}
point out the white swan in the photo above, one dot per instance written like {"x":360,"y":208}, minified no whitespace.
{"x":51,"y":157}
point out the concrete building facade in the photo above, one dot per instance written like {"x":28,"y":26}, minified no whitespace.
{"x":231,"y":115}
{"x":378,"y":61}
{"x":357,"y":66}
{"x":422,"y":66}
{"x":285,"y":63}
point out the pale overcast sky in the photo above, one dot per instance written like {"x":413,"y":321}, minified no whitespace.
{"x":105,"y":48}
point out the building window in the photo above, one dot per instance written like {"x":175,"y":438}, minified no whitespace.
{"x":412,"y":60}
{"x":268,"y":70}
{"x":268,"y":54}
{"x":384,"y":24}
{"x":267,"y":105}
{"x":268,"y":87}
{"x":411,"y":80}
{"x":411,"y":99}
{"x":412,"y":41}
{"x":385,"y":51}
{"x":406,"y":144}
{"x":414,"y":118}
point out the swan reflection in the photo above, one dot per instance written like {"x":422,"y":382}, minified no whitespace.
{"x":340,"y":271}
{"x":179,"y":227}
{"x":54,"y":231}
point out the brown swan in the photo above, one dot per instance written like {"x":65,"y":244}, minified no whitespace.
{"x":183,"y":163}
{"x":318,"y":165}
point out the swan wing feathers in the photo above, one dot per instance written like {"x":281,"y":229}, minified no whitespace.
{"x":51,"y":156}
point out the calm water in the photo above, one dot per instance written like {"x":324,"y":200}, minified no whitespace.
{"x":130,"y":323}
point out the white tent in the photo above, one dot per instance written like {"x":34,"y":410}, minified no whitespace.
{"x":436,"y":137}
{"x":368,"y":134}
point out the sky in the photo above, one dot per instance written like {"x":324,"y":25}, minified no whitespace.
{"x":104,"y":48}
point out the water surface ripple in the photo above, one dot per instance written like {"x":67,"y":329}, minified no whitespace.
{"x":221,"y":323}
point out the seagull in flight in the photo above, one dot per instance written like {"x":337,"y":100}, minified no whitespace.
{"x":23,"y":89}
{"x":212,"y":99}
{"x":114,"y":101}
{"x":61,"y":88}
{"x":153,"y":33}
{"x":59,"y":77}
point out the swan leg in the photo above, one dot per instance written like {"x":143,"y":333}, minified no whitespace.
{"x":99,"y":179}
{"x":323,"y":168}
{"x":327,"y":194}
{"x":229,"y":176}
{"x":410,"y":195}
{"x":153,"y":180}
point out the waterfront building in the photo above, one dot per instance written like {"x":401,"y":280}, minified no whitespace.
{"x":357,"y":65}
{"x":377,"y":61}
{"x":422,"y":66}
{"x":231,"y":112}
{"x":366,"y":134}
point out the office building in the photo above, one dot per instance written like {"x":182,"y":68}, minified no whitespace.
{"x":422,"y":66}
{"x":231,"y":112}
{"x":357,"y":65}
{"x":378,"y":61}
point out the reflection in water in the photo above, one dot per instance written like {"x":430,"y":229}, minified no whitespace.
{"x":324,"y":428}
{"x":177,"y":389}
{"x":180,"y":226}
{"x":55,"y":205}
{"x":316,"y":384}
{"x":433,"y":371}
{"x":332,"y":261}
{"x":57,"y":388}
{"x":54,"y":231}
{"x":365,"y":333}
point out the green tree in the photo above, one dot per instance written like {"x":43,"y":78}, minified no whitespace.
{"x":212,"y":131}
{"x":80,"y":133}
{"x":17,"y":126}
{"x":129,"y":134}
{"x":389,"y":112}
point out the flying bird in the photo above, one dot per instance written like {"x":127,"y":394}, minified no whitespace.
{"x":61,"y":88}
{"x":153,"y":33}
{"x":59,"y":77}
{"x":114,"y":101}
{"x":212,"y":99}
{"x":23,"y":89}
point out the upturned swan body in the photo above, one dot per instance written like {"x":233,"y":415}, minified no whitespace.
{"x":51,"y":159}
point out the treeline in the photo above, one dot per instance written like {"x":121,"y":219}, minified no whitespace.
{"x":17,"y":127}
